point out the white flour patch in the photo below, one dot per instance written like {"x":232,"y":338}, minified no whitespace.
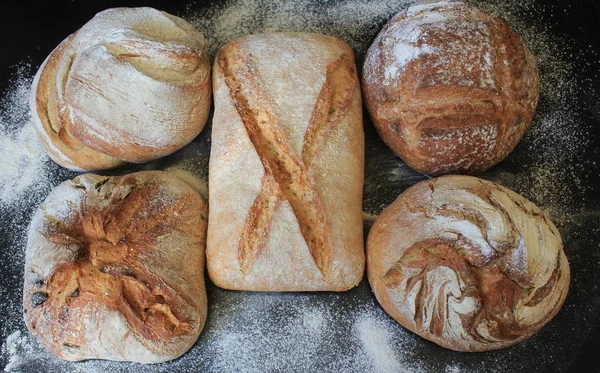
{"x":16,"y":347}
{"x":201,"y":186}
{"x":376,"y":341}
{"x":452,"y":369}
{"x":23,"y":164}
{"x":23,"y":160}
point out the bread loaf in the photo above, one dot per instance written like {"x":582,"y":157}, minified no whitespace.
{"x":467,"y":264}
{"x":114,"y":268}
{"x":286,"y":165}
{"x":449,"y":88}
{"x":132,"y":85}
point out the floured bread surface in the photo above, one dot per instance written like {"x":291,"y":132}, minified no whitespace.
{"x":132,"y":85}
{"x":114,"y":268}
{"x":286,"y":166}
{"x":449,"y":88}
{"x":467,"y":264}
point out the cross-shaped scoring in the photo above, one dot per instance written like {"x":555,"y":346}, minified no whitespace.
{"x":287,"y":177}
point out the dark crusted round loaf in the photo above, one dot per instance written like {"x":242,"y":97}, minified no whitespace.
{"x":449,"y":88}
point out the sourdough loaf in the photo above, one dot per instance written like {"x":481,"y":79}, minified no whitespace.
{"x":286,"y":165}
{"x":132,"y":85}
{"x":467,"y":264}
{"x":114,"y":268}
{"x":449,"y":88}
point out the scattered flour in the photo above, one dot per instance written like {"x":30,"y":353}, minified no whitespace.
{"x":376,"y":340}
{"x":262,"y":332}
{"x":354,"y":21}
{"x":257,"y":332}
{"x":276,"y":335}
{"x":16,"y":347}
{"x":550,"y":159}
{"x":452,"y":369}
{"x":23,"y":167}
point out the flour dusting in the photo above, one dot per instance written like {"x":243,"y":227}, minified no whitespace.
{"x":348,"y":332}
{"x":23,"y":166}
{"x":16,"y":347}
{"x":354,"y":21}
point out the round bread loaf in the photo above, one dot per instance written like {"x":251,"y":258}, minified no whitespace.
{"x":467,"y":264}
{"x":132,"y":85}
{"x":449,"y":88}
{"x":114,"y":268}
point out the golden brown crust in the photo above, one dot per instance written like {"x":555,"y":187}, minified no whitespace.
{"x":467,"y":264}
{"x":132,"y":85}
{"x":288,"y":163}
{"x":50,"y":121}
{"x":127,"y":251}
{"x":449,"y":88}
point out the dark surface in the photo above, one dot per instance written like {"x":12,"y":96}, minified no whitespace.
{"x":29,"y":32}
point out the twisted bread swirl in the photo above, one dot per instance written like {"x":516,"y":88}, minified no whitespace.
{"x":467,"y":264}
{"x":132,"y":85}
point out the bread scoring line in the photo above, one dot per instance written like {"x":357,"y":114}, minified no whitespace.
{"x":286,"y":176}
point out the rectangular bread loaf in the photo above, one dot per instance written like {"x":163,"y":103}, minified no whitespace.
{"x":286,"y":165}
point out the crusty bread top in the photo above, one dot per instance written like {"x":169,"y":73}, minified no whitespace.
{"x":450,"y":88}
{"x":288,"y":144}
{"x":467,"y":263}
{"x":453,"y":35}
{"x":132,"y":84}
{"x":114,"y":268}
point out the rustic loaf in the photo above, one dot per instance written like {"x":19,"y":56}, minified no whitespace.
{"x":467,"y":264}
{"x":114,"y":268}
{"x":132,"y":85}
{"x":449,"y":88}
{"x":286,"y":165}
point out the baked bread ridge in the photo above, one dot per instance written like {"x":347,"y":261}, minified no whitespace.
{"x":286,"y":165}
{"x":449,"y":88}
{"x":114,"y":268}
{"x":467,"y":264}
{"x":132,"y":85}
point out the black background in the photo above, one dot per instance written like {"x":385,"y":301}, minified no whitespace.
{"x":30,"y":30}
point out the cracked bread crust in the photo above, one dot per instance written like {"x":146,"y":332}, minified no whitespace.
{"x":114,"y":268}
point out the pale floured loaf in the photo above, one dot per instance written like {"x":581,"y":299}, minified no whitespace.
{"x":114,"y":268}
{"x":467,"y":264}
{"x":449,"y":88}
{"x":132,"y":85}
{"x":286,"y":165}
